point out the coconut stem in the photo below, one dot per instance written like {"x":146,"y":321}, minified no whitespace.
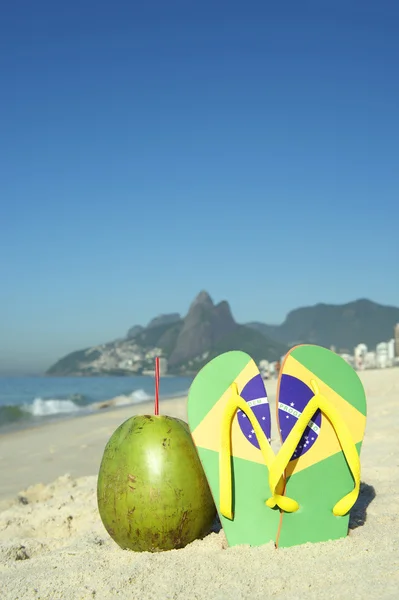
{"x":156,"y":411}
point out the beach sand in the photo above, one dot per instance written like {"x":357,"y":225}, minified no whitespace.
{"x":54,"y":546}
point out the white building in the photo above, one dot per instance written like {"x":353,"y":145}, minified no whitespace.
{"x":272,"y":369}
{"x":370,"y":360}
{"x":396,"y":335}
{"x":391,"y":352}
{"x":349,"y":359}
{"x":264,"y":369}
{"x":382,"y":355}
{"x":359,"y":356}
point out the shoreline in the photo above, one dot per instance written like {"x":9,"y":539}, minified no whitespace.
{"x":98,"y":407}
{"x":54,"y":545}
{"x":45,"y":442}
{"x":115,"y":403}
{"x":67,"y":445}
{"x":126,"y":374}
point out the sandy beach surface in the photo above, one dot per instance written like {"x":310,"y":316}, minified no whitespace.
{"x":54,"y":546}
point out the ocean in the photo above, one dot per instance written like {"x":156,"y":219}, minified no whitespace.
{"x":27,"y":401}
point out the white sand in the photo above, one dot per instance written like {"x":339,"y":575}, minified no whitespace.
{"x":53,"y":545}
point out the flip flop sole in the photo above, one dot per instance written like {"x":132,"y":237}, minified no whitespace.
{"x":318,"y":475}
{"x":253,"y":523}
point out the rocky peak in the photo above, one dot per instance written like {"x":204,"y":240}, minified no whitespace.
{"x":202,"y":299}
{"x":204,"y":325}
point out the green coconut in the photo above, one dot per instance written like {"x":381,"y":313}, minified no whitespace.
{"x":152,"y":492}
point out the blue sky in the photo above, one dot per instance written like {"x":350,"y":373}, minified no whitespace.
{"x":151,"y":150}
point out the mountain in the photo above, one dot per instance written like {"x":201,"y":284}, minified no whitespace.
{"x":208,"y":330}
{"x":157,"y":322}
{"x":343,"y":326}
{"x":133,"y":331}
{"x":164,"y":320}
{"x":187,"y":343}
{"x":204,"y":325}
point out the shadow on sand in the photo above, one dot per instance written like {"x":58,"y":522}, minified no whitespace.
{"x":216,"y":526}
{"x":358,"y":514}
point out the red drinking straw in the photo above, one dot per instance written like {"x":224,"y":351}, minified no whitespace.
{"x":157,"y":385}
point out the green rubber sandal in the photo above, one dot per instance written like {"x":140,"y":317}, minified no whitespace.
{"x":321,"y":412}
{"x":229,"y":419}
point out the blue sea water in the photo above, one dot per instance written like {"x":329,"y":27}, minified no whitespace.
{"x":26,"y":401}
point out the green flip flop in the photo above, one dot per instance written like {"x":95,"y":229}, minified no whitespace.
{"x":229,"y":420}
{"x":321,"y":412}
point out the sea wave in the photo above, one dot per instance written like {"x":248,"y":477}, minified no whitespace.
{"x":136,"y":397}
{"x":41,"y":408}
{"x":51,"y":406}
{"x":12,"y":414}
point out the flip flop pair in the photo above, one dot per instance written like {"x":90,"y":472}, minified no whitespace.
{"x":305,"y":492}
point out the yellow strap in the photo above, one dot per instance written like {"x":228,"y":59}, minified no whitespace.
{"x":234,"y":403}
{"x":318,"y":401}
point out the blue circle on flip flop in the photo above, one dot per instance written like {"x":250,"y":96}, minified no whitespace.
{"x":254,"y":393}
{"x":294,"y":395}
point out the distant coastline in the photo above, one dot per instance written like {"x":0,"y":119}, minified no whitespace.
{"x":26,"y":401}
{"x":363,"y":332}
{"x":108,"y":374}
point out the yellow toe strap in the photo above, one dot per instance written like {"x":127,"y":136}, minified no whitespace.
{"x":318,"y":401}
{"x":235,"y":403}
{"x":278,"y":464}
{"x":286,"y":504}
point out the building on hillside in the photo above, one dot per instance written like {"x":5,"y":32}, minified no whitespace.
{"x":396,"y":336}
{"x":125,"y":364}
{"x":163,"y":366}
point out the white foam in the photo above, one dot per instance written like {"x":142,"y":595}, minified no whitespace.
{"x":56,"y":406}
{"x":52,"y":406}
{"x":140,"y":396}
{"x":135,"y":397}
